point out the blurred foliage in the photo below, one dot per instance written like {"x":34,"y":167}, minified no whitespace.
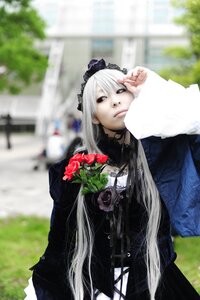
{"x":187,"y":68}
{"x":22,"y":242}
{"x":20,"y":62}
{"x":188,"y":258}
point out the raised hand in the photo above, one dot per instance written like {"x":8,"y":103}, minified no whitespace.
{"x":134,"y":78}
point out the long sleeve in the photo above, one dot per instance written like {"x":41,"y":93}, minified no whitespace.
{"x":166,"y":117}
{"x":164,"y":109}
{"x":175,"y":167}
{"x":195,"y":150}
{"x":50,"y":273}
{"x":63,"y":194}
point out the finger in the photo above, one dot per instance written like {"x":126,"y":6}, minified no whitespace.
{"x":130,"y":81}
{"x":120,"y":80}
{"x":133,"y":74}
{"x":138,"y":75}
{"x":127,"y":81}
{"x":131,"y":88}
{"x":142,"y":75}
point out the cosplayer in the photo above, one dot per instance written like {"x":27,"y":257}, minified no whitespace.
{"x":115,"y":200}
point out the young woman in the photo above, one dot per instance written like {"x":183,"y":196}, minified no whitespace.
{"x":110,"y":230}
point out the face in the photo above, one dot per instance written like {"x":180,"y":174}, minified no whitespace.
{"x":111,"y":109}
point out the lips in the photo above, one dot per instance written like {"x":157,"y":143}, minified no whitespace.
{"x":121,"y":112}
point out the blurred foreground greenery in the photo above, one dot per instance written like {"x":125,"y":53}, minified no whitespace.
{"x":21,"y":62}
{"x":23,"y":240}
{"x":184,"y":67}
{"x":188,"y":260}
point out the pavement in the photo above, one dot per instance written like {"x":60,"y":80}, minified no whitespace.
{"x":23,"y":190}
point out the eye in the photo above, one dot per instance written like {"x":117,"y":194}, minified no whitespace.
{"x":101,"y":99}
{"x":120,"y":91}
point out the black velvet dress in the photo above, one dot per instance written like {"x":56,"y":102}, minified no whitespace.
{"x":50,"y":273}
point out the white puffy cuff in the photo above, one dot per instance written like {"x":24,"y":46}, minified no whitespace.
{"x":164,"y":108}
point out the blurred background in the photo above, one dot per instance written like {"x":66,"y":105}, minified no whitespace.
{"x":45,"y":47}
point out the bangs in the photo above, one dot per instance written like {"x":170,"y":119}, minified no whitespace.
{"x":107,"y":80}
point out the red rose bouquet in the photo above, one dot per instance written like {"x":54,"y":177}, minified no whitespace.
{"x":87,"y":170}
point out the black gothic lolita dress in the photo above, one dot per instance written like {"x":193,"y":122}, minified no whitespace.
{"x":118,"y":242}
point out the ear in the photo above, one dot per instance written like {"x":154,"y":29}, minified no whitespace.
{"x":95,"y":121}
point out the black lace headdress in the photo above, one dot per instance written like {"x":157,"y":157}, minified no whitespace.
{"x":93,"y":67}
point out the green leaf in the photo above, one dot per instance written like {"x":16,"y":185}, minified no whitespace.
{"x":20,"y":27}
{"x":77,"y":180}
{"x":184,"y":67}
{"x":83,"y":176}
{"x":85,"y":190}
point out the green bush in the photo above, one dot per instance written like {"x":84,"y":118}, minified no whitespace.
{"x":22,"y":241}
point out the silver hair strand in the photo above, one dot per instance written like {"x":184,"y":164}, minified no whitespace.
{"x":107,"y":80}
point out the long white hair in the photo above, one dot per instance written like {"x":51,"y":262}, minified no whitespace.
{"x":107,"y":80}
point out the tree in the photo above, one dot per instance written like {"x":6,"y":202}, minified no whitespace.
{"x":20,"y":62}
{"x":187,"y":69}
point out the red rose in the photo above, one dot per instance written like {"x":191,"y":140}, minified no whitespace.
{"x":101,"y":158}
{"x":89,"y":158}
{"x":77,"y":157}
{"x":71,"y":169}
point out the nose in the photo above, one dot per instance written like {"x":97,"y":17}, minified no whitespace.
{"x":115,"y":101}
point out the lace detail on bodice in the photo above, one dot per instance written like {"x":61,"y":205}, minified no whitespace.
{"x":121,"y":181}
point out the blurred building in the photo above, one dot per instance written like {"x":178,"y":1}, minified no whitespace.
{"x":128,"y":33}
{"x":113,"y":29}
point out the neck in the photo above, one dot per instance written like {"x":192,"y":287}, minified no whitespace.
{"x":116,"y":146}
{"x":121,"y":135}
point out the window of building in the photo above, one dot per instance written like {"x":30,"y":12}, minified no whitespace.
{"x":161,"y":15}
{"x":101,"y":47}
{"x":156,"y":59}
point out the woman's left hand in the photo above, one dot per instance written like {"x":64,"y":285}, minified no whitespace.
{"x":134,"y":79}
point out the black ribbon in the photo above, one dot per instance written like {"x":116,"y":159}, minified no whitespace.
{"x":119,"y":231}
{"x":93,"y":67}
